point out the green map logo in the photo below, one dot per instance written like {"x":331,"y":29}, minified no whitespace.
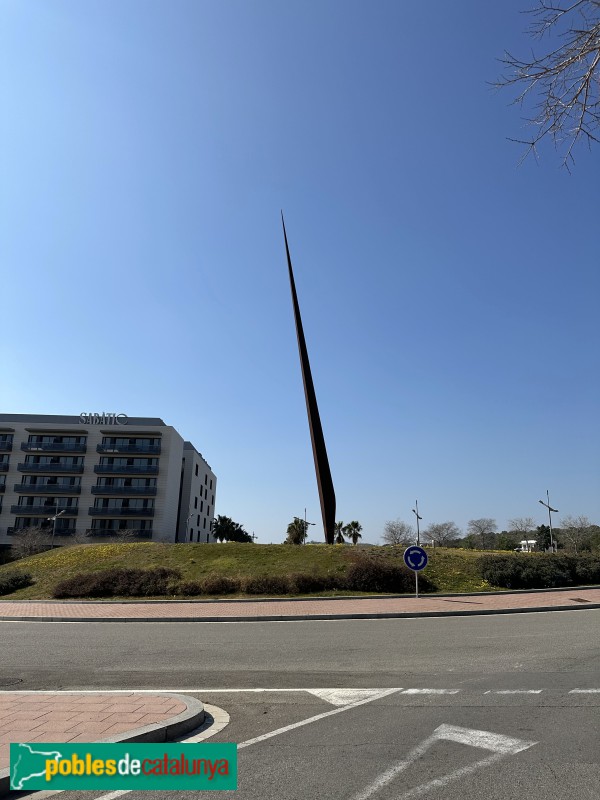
{"x":27,"y":763}
{"x":87,"y":766}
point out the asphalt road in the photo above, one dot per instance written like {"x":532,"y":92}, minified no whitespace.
{"x":350,"y":653}
{"x":513,"y":722}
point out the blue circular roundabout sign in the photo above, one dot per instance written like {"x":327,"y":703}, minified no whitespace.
{"x":415,"y":558}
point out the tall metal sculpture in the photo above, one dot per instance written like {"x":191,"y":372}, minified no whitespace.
{"x":324,"y":481}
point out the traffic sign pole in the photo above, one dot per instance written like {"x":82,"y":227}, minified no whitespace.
{"x":416,"y":559}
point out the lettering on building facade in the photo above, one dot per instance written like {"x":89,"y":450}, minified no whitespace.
{"x":103,"y":419}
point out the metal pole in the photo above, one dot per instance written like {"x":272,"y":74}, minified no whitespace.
{"x":550,"y":521}
{"x":416,"y":513}
{"x":550,"y":509}
{"x":54,"y":524}
{"x":417,"y":585}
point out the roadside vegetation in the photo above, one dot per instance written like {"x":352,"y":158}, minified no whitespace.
{"x":146,"y":569}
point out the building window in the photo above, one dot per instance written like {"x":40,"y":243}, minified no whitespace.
{"x":201,"y":505}
{"x":196,"y":469}
{"x":198,"y":539}
{"x":205,"y":479}
{"x":191,"y":534}
{"x":211,"y":483}
{"x":207,"y":538}
{"x":195,"y":502}
{"x":198,"y":522}
{"x":207,"y":510}
{"x":204,"y":526}
{"x":213,"y":499}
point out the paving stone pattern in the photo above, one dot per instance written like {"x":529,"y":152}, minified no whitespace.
{"x":27,"y":717}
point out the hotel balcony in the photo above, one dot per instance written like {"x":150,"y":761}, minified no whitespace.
{"x":121,"y":469}
{"x":129,"y":449}
{"x":138,"y":491}
{"x":46,"y":488}
{"x":121,"y":512}
{"x":49,"y":447}
{"x":59,"y":531}
{"x":47,"y":511}
{"x":73,"y":468}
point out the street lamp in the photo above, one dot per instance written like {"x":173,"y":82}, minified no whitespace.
{"x":53,"y":520}
{"x":416,"y":513}
{"x":550,"y":510}
{"x":306,"y":524}
{"x":186,"y":525}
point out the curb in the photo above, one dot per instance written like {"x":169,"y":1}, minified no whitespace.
{"x":259,"y":599}
{"x":172,"y":728}
{"x":309,"y":617}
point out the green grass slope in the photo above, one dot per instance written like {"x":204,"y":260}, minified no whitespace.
{"x":450,"y":570}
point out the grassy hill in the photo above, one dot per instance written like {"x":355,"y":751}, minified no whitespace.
{"x":451,"y":570}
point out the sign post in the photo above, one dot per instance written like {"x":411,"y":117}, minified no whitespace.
{"x":416,"y":559}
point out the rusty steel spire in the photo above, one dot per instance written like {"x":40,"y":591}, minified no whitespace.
{"x":324,"y":481}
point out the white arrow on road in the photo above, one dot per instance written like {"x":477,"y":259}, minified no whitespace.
{"x":500,"y":746}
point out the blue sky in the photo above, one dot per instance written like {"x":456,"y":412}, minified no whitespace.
{"x":449,"y":296}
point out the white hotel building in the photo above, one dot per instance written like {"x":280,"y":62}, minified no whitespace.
{"x":107,"y":473}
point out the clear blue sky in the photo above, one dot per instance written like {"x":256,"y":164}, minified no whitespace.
{"x":449,"y":296}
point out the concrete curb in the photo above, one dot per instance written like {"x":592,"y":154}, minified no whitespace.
{"x":165,"y":731}
{"x":258,"y":598}
{"x":309,"y":617}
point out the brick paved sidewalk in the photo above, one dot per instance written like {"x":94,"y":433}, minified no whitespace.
{"x":89,"y":717}
{"x":309,"y":608}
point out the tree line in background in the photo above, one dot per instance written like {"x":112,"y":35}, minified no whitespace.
{"x":297,"y":531}
{"x":576,"y":533}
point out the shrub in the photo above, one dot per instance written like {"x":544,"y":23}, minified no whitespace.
{"x":266,"y":584}
{"x":305,"y":583}
{"x":189,"y":588}
{"x":220,"y":584}
{"x":14,"y":580}
{"x":376,"y":575}
{"x":119,"y":583}
{"x":543,"y":571}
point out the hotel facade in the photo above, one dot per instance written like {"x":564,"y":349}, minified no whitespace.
{"x":102,"y":476}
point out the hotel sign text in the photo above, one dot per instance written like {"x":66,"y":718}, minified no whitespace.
{"x":103,"y":419}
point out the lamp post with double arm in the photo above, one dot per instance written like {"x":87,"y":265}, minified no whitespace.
{"x":550,"y":511}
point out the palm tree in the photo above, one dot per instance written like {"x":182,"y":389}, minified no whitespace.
{"x":226,"y":530}
{"x":296,"y":531}
{"x":339,"y":533}
{"x":353,"y":530}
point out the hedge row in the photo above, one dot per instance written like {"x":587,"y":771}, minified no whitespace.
{"x":13,"y":581}
{"x":363,"y":575}
{"x":544,"y":571}
{"x":119,"y":583}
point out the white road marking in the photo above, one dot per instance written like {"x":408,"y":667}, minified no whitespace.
{"x":113,"y":795}
{"x":430,"y":691}
{"x":584,"y":691}
{"x":316,"y":692}
{"x":287,"y":728}
{"x":515,"y":691}
{"x":342,"y":697}
{"x":499,"y":745}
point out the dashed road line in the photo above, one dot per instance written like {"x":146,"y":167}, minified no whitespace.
{"x":430,"y":691}
{"x":514,"y":691}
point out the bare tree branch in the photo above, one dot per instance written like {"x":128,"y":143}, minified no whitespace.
{"x":562,"y":85}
